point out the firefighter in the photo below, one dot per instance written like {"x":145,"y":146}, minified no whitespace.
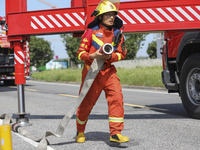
{"x":103,"y":29}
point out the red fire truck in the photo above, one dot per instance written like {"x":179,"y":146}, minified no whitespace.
{"x":181,"y":54}
{"x":7,"y":60}
{"x":7,"y":65}
{"x":181,"y":65}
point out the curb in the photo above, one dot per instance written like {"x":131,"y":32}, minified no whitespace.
{"x":123,"y":86}
{"x":144,"y":87}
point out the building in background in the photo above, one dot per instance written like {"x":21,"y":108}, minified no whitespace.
{"x":56,"y":64}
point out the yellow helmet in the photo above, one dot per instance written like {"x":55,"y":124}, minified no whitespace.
{"x":103,"y":7}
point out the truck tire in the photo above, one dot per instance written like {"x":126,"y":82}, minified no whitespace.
{"x":190,"y":85}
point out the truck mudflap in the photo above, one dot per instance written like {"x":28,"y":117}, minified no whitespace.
{"x":166,"y":79}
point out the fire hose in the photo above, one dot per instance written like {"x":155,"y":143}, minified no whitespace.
{"x":95,"y":67}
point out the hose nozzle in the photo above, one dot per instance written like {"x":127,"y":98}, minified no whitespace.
{"x":107,"y":49}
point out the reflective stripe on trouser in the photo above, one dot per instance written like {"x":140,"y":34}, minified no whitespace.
{"x":116,"y":125}
{"x":113,"y":119}
{"x":109,"y":82}
{"x":80,"y":122}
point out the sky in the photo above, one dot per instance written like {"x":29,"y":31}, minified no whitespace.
{"x":56,"y":42}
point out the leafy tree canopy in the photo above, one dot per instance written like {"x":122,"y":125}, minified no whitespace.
{"x":40,"y":51}
{"x":72,"y":45}
{"x":152,"y":50}
{"x":133,"y":43}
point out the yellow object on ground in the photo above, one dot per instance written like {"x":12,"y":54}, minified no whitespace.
{"x":5,"y":137}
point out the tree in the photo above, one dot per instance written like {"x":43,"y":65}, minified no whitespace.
{"x":72,"y":45}
{"x":152,"y":50}
{"x":133,"y":42}
{"x":40,"y":51}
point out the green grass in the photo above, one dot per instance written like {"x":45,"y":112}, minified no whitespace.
{"x":62,"y":75}
{"x":141,"y":76}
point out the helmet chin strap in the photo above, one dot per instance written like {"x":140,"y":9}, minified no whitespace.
{"x":109,"y":27}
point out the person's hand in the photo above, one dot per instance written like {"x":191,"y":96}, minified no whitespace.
{"x":99,"y":55}
{"x":108,"y":56}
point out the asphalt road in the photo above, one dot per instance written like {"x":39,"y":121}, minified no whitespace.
{"x":154,"y":120}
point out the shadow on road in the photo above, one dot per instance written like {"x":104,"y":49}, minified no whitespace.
{"x":105,"y":137}
{"x":166,"y":111}
{"x":4,"y":88}
{"x":169,"y":111}
{"x":102,"y":136}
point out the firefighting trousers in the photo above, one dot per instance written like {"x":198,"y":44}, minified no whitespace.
{"x":108,"y":81}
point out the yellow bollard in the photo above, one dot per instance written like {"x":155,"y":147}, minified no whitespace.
{"x":5,"y":137}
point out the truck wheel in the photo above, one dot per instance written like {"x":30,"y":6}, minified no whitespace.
{"x":190,"y":85}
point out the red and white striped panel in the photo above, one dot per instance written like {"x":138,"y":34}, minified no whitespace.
{"x":27,"y":71}
{"x":27,"y":58}
{"x":46,"y":22}
{"x":160,"y":15}
{"x":7,"y":78}
{"x":60,"y":20}
{"x":26,"y":53}
{"x":144,"y":16}
{"x":19,"y":57}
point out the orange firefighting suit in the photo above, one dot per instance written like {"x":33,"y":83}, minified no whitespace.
{"x":106,"y":79}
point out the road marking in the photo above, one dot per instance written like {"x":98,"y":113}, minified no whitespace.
{"x":140,"y":106}
{"x":68,"y":95}
{"x":30,"y":89}
{"x":53,"y":83}
{"x":147,"y":91}
{"x":35,"y":144}
{"x":14,"y":87}
{"x":24,"y":88}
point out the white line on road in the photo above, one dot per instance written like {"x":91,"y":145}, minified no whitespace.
{"x":35,"y":144}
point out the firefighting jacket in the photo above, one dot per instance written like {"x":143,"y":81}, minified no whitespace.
{"x":94,"y":38}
